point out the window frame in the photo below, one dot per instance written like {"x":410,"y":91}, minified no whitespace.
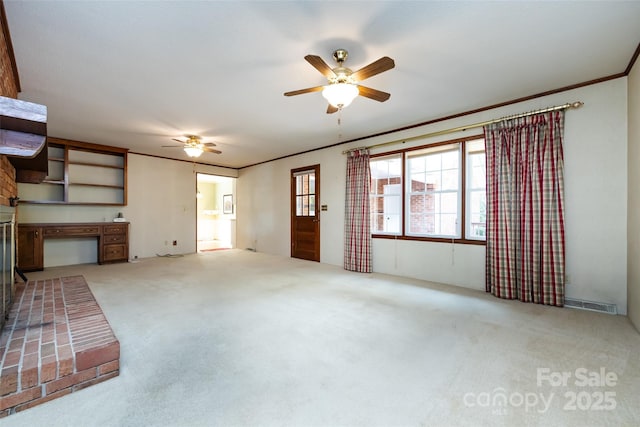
{"x":468,"y":191}
{"x":462,"y":194}
{"x":432,"y":150}
{"x":402,"y":198}
{"x":308,"y":195}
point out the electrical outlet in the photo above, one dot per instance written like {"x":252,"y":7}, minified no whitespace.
{"x":567,"y":279}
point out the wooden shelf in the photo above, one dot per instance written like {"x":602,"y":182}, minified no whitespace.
{"x":43,"y":202}
{"x":84,"y":184}
{"x":82,"y":167}
{"x":99,"y":165}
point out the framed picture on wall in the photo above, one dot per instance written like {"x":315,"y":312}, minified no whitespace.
{"x":227,"y":204}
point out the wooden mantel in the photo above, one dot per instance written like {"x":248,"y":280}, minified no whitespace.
{"x":23,"y":127}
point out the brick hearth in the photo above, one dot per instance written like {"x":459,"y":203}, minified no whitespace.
{"x":56,"y":341}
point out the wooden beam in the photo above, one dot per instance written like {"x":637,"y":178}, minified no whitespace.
{"x":23,"y":127}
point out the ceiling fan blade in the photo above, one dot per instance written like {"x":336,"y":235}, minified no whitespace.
{"x":376,"y":95}
{"x":307,"y":90}
{"x":381,"y":65}
{"x":211,"y":150}
{"x":209,"y":144}
{"x":331,"y":109}
{"x":171,"y":146}
{"x":319,"y":64}
{"x":177,"y":140}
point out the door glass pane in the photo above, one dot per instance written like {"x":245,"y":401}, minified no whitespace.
{"x":312,"y":183}
{"x":305,"y":205}
{"x":312,"y":206}
{"x":305,"y":193}
{"x":298,"y":185}
{"x":299,"y":205}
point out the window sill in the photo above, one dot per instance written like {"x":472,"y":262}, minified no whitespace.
{"x":430,"y":239}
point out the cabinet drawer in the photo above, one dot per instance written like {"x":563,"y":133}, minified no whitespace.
{"x":115,"y":229}
{"x":114,"y":238}
{"x":115,"y":252}
{"x":71,"y":231}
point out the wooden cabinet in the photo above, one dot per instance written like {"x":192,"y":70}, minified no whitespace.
{"x":115,"y":242}
{"x":112,"y":240}
{"x":30,"y":248}
{"x":70,"y":230}
{"x":80,"y":173}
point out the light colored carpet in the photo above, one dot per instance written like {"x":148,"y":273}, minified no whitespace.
{"x":237,"y":338}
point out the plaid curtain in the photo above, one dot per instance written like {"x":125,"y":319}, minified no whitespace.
{"x":357,"y":227}
{"x":525,"y":209}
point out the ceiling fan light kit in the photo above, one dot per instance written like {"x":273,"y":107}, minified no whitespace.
{"x":193,"y":151}
{"x":342,"y":87}
{"x":340,"y":95}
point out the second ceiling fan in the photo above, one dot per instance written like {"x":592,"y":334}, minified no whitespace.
{"x":343,"y":84}
{"x":194,"y":146}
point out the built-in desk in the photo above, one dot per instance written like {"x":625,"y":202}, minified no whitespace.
{"x":112,"y":237}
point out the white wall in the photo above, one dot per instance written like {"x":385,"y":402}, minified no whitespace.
{"x":161,"y":208}
{"x":595,"y":198}
{"x":633,"y":232}
{"x":264,"y":210}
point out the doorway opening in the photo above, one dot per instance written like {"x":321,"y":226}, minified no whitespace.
{"x":215,"y":212}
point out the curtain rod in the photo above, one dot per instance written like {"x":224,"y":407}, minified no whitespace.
{"x":576,"y":104}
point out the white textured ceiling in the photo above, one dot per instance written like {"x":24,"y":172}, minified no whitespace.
{"x":135,"y":74}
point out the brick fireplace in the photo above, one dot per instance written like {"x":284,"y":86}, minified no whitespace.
{"x":56,"y":341}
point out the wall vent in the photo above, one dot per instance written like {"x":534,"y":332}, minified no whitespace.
{"x":600,"y":307}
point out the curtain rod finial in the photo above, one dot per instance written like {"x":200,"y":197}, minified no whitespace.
{"x":577,"y":104}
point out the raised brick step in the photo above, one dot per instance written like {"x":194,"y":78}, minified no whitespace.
{"x":56,"y":341}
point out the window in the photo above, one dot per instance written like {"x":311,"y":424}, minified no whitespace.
{"x":431,"y":192}
{"x":386,"y":195}
{"x":476,"y":195}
